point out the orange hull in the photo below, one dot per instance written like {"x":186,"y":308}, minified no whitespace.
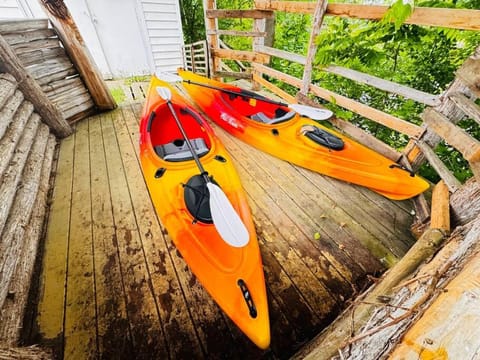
{"x":219,"y":267}
{"x":353,"y":163}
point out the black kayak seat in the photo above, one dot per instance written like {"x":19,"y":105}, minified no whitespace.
{"x":261,"y":117}
{"x":178,"y":150}
{"x":323,"y":137}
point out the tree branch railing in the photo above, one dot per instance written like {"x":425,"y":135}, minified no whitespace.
{"x":450,"y":105}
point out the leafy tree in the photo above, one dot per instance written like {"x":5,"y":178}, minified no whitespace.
{"x":423,"y":58}
{"x":193,"y":23}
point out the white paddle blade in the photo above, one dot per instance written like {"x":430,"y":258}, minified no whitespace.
{"x":226,"y":220}
{"x":311,"y":112}
{"x":164,"y":93}
{"x":168,"y":77}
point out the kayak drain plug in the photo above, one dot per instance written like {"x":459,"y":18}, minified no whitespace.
{"x":248,"y":298}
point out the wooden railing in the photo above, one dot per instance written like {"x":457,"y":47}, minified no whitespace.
{"x":195,"y":58}
{"x":449,"y":108}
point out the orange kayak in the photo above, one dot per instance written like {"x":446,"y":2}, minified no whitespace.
{"x":277,"y":130}
{"x":232,"y":275}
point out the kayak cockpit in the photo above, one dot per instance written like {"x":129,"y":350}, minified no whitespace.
{"x":255,"y":109}
{"x":167,"y":139}
{"x":178,"y":150}
{"x":280,"y":116}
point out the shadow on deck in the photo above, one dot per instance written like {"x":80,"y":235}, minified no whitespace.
{"x":114,"y":286}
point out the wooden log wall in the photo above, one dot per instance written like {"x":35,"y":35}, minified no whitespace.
{"x":26,"y":155}
{"x":41,"y":53}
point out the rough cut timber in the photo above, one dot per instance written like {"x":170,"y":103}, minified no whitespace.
{"x":74,"y":45}
{"x":10,"y":63}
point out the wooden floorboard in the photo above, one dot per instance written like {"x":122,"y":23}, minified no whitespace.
{"x":113,"y":285}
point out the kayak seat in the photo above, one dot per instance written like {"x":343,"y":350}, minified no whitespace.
{"x":261,"y":117}
{"x":178,"y":150}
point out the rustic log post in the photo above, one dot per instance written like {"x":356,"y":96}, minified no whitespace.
{"x":67,"y":30}
{"x":13,"y":238}
{"x":260,"y":26}
{"x":13,"y":134}
{"x":10,"y":63}
{"x":211,"y":27}
{"x":11,"y":177}
{"x":320,"y":9}
{"x":13,"y":311}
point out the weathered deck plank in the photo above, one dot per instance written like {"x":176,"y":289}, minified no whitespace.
{"x":51,"y":305}
{"x":114,"y":338}
{"x":80,"y":314}
{"x":135,"y":296}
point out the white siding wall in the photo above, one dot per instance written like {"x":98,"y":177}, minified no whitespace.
{"x":10,"y":9}
{"x":124,"y":37}
{"x":164,"y":33}
{"x":20,"y":9}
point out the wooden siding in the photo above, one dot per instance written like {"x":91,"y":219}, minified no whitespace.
{"x":113,"y":285}
{"x":42,"y":55}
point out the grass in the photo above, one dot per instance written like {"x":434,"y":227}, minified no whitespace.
{"x":118,"y":95}
{"x":137,"y":78}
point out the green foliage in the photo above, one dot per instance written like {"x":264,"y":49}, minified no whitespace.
{"x":424,"y":58}
{"x":420,"y":57}
{"x":193,"y":23}
{"x":398,"y":13}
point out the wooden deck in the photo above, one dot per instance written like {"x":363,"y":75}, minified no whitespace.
{"x":114,"y":286}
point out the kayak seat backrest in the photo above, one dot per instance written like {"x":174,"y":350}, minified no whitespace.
{"x":178,"y":150}
{"x":261,"y":117}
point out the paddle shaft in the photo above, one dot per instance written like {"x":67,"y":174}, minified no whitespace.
{"x":238,"y":93}
{"x":189,"y":144}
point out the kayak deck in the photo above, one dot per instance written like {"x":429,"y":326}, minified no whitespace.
{"x":128,"y":292}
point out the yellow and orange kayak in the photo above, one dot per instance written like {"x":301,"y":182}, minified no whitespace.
{"x":285,"y":134}
{"x":232,"y":275}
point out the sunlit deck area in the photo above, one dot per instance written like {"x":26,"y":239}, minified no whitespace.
{"x":114,"y":286}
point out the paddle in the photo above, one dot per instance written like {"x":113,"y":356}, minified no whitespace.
{"x":305,"y":110}
{"x":225,"y":218}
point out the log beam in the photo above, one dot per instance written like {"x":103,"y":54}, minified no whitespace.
{"x":239,"y":14}
{"x":233,"y":74}
{"x":449,"y":18}
{"x":469,"y":72}
{"x":50,"y":114}
{"x":318,"y":14}
{"x":378,"y":116}
{"x":8,"y":85}
{"x":67,"y":30}
{"x":12,"y":313}
{"x":455,"y":136}
{"x":440,"y":216}
{"x":19,"y":216}
{"x":326,"y":345}
{"x":9,"y":141}
{"x":240,"y":55}
{"x":12,"y":176}
{"x":451,"y":181}
{"x":467,"y":106}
